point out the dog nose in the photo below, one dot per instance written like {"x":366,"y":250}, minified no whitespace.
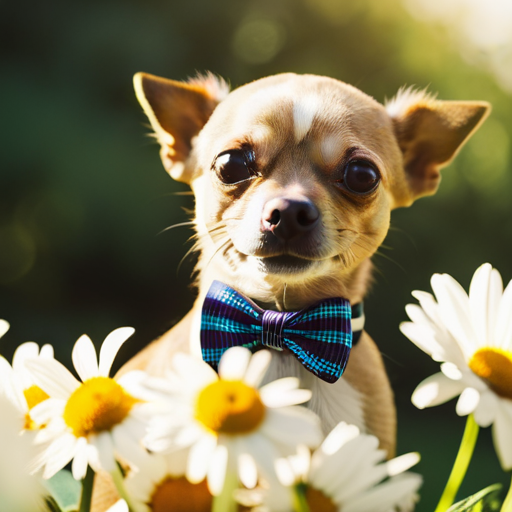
{"x":289,"y":218}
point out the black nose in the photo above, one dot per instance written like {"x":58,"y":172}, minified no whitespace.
{"x":289,"y":218}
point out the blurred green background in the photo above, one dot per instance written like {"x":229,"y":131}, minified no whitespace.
{"x":83,"y":196}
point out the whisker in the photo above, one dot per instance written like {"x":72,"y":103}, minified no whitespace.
{"x":191,"y":223}
{"x":194,"y":248}
{"x":224,"y":245}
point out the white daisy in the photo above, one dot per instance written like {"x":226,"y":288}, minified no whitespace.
{"x":161,"y":482}
{"x":18,"y":384}
{"x":19,"y":491}
{"x":229,"y":424}
{"x":347,"y":473}
{"x":472,"y":337}
{"x":94,"y":422}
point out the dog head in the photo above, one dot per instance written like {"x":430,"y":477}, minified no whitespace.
{"x":295,"y":176}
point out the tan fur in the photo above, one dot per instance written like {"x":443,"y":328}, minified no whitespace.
{"x":303,"y":131}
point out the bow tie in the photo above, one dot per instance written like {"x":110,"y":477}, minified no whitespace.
{"x":320,"y":336}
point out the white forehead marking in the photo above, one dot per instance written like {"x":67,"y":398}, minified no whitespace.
{"x":304,"y":111}
{"x":261,"y":101}
{"x":330,"y":148}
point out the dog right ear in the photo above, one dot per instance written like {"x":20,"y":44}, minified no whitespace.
{"x":177,"y":112}
{"x":430,"y":133}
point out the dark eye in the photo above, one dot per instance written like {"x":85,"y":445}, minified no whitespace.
{"x":361,"y":177}
{"x":234,"y":166}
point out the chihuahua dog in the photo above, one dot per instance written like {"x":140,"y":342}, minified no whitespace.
{"x":294,"y":178}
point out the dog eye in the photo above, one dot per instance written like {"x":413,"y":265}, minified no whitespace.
{"x":234,"y":166}
{"x":361,"y":177}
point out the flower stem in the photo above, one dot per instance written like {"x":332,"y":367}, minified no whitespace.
{"x":300,"y":503}
{"x":460,"y":465}
{"x":225,"y":502}
{"x":87,"y":485}
{"x":118,"y":479}
{"x":507,"y":504}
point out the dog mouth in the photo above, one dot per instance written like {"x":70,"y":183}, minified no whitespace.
{"x":285,"y":264}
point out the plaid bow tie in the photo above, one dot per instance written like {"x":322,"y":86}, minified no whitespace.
{"x":320,"y":336}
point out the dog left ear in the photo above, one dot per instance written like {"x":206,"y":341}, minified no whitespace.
{"x":430,"y":133}
{"x":177,"y":112}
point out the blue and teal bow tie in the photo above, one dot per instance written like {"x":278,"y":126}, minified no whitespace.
{"x":320,"y":336}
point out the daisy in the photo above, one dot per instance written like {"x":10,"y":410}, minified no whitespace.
{"x":161,"y":481}
{"x":347,"y":473}
{"x":18,"y":489}
{"x":472,"y":337}
{"x":18,"y":384}
{"x":94,"y":422}
{"x":229,"y":424}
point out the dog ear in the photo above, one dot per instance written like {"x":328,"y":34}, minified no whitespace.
{"x":430,"y":133}
{"x":177,"y":112}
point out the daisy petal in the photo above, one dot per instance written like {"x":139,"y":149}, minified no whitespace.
{"x":503,"y":331}
{"x":501,"y":434}
{"x":264,"y":453}
{"x":52,"y":377}
{"x":58,"y":454}
{"x":292,"y":426}
{"x":247,"y":470}
{"x":129,"y":448}
{"x":285,"y":472}
{"x":85,"y":359}
{"x":110,"y":348}
{"x":46,"y":351}
{"x":436,"y":389}
{"x":4,"y":327}
{"x":385,"y":496}
{"x":233,"y":363}
{"x":293,"y":397}
{"x":257,"y":367}
{"x":80,"y":462}
{"x":11,"y":386}
{"x":105,"y":446}
{"x":217,"y":470}
{"x":455,"y":310}
{"x":199,"y":458}
{"x":487,"y":408}
{"x":403,"y":463}
{"x":467,"y":402}
{"x":195,"y":373}
{"x":28,"y":350}
{"x":485,"y":294}
{"x":279,"y":385}
{"x":340,"y":435}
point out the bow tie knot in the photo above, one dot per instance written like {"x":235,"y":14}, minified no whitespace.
{"x":320,"y":336}
{"x":272,"y":323}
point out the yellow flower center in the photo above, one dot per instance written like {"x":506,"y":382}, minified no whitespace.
{"x":34,"y":395}
{"x":318,"y":501}
{"x":494,"y":366}
{"x":179,"y":495}
{"x":99,"y":404}
{"x":230,"y":407}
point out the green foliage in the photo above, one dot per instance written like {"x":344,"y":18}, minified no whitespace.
{"x":487,"y":500}
{"x":65,"y":491}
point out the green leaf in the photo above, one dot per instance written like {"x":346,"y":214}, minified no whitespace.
{"x":65,"y":491}
{"x":487,"y":500}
